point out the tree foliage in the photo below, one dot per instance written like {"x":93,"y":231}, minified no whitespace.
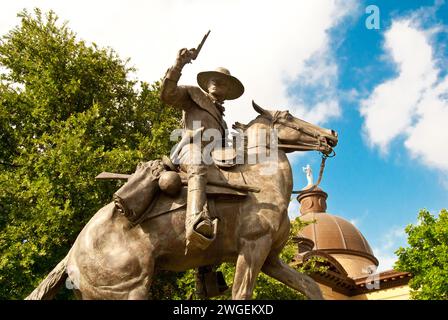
{"x":68,"y":111}
{"x":426,"y":257}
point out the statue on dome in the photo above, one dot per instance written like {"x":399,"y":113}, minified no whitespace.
{"x":309,"y":176}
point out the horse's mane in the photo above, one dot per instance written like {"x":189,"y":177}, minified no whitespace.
{"x":240,"y":126}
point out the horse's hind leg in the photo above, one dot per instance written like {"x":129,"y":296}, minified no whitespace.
{"x":279,"y":270}
{"x":141,"y":291}
{"x":248,"y":265}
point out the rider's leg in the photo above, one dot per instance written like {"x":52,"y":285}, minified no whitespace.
{"x":199,"y":227}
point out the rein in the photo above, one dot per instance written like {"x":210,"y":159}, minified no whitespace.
{"x":304,"y":147}
{"x":321,"y":172}
{"x":321,"y":146}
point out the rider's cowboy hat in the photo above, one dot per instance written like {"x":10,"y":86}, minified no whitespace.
{"x":235,"y":87}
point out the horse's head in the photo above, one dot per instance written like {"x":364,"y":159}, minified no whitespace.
{"x":295,"y":134}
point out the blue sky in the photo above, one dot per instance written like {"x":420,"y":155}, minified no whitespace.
{"x":380,"y":193}
{"x":385,"y":91}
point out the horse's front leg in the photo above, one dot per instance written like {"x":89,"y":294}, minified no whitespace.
{"x":251,"y":258}
{"x":277,"y":269}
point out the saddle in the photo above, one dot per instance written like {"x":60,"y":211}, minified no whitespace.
{"x":141,"y":198}
{"x":220,"y":187}
{"x":224,"y":158}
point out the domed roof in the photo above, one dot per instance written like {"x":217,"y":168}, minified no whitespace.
{"x":334,"y":234}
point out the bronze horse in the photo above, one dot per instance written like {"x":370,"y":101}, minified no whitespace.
{"x":111,"y":260}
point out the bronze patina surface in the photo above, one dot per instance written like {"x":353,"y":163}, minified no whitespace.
{"x":113,"y":258}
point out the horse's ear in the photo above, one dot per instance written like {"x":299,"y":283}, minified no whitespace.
{"x":257,"y":108}
{"x":240,"y":126}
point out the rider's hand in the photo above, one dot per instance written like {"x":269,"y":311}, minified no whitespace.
{"x":185,"y":56}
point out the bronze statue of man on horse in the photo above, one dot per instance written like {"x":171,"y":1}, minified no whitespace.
{"x":166,"y":216}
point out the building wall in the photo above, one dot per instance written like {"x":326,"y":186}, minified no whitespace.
{"x":355,"y":266}
{"x":330,"y":294}
{"x":396,"y":293}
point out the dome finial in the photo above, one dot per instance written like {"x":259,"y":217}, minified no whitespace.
{"x":311,"y":198}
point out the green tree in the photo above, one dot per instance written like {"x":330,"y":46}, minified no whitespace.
{"x":426,"y":257}
{"x":68,"y":111}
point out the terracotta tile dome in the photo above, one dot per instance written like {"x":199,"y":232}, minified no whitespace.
{"x":334,"y":235}
{"x":331,"y":232}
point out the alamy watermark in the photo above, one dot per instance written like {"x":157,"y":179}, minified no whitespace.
{"x":373,"y":20}
{"x":373,"y":279}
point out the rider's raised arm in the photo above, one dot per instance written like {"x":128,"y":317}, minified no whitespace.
{"x":171,"y":93}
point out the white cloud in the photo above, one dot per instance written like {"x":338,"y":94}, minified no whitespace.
{"x":413,"y":105}
{"x":294,"y":209}
{"x":386,"y":260}
{"x":387,"y":245}
{"x":271,"y":46}
{"x":315,"y":86}
{"x":428,"y":138}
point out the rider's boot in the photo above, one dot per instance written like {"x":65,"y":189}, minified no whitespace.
{"x":200,"y":229}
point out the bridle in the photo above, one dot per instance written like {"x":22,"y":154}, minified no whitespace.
{"x":322,"y":145}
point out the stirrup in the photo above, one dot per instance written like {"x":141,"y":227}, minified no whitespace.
{"x":198,"y":240}
{"x":205,"y":227}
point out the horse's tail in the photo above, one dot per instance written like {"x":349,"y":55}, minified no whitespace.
{"x":48,"y":288}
